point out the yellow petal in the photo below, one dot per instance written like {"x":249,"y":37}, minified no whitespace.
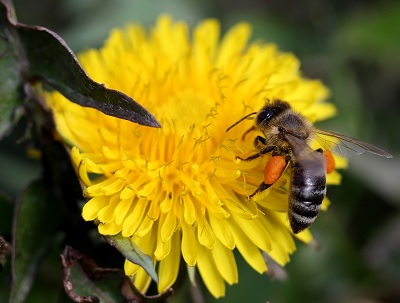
{"x":257,"y":233}
{"x":168,"y":224}
{"x":325,"y":204}
{"x":248,"y":250}
{"x":205,"y":234}
{"x":333,"y":178}
{"x":106,"y":214}
{"x":189,"y":211}
{"x":81,"y":167}
{"x":163,"y":247}
{"x":305,"y":236}
{"x":141,"y":280}
{"x":189,"y":244}
{"x":282,"y":237}
{"x":233,"y":44}
{"x":222,"y":231}
{"x":225,"y":263}
{"x":130,"y":268}
{"x":110,"y":228}
{"x":110,"y":153}
{"x":92,"y":166}
{"x":144,"y":227}
{"x":169,"y":267}
{"x":134,"y":218}
{"x":123,"y":208}
{"x":319,"y":112}
{"x":204,"y":40}
{"x":209,"y":273}
{"x":107,"y":187}
{"x":340,"y":162}
{"x":93,"y":206}
{"x":127,"y":193}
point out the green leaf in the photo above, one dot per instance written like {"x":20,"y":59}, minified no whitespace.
{"x":84,"y":281}
{"x":133,"y":253}
{"x":9,"y":84}
{"x":43,"y":55}
{"x":35,"y":223}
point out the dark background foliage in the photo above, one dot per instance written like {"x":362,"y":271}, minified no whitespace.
{"x":353,"y":46}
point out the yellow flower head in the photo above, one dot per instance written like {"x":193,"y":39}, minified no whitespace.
{"x":178,"y":190}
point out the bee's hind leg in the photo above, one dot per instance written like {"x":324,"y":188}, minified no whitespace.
{"x":261,"y":188}
{"x":272,"y":172}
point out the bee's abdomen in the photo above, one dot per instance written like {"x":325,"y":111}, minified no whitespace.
{"x":306,"y":194}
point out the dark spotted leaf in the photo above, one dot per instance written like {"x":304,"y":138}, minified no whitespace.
{"x":9,"y":84}
{"x":43,"y":55}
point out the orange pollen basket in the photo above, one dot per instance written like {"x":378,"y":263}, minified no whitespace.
{"x":273,"y":169}
{"x":330,"y":161}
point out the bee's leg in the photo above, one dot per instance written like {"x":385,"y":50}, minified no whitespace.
{"x":260,"y":142}
{"x":261,"y":188}
{"x":263,"y":151}
{"x":272,"y":172}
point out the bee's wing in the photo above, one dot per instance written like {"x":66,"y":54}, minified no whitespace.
{"x":299,"y":147}
{"x":346,"y":146}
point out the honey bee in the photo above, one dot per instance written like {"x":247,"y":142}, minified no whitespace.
{"x":286,"y":137}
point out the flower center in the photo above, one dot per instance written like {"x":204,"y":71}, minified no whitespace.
{"x":183,"y":111}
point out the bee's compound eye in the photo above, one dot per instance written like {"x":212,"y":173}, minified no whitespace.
{"x":265,"y":115}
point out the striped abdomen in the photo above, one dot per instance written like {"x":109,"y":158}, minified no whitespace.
{"x":307,"y":190}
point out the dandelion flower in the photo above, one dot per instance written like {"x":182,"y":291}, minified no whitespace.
{"x":178,"y":191}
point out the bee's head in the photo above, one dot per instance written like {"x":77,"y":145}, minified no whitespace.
{"x":270,"y":110}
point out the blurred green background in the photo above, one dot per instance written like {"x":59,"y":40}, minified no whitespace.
{"x":354,"y":47}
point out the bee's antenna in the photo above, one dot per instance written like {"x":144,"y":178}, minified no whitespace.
{"x":244,"y":118}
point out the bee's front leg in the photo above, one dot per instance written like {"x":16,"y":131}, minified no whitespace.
{"x":263,"y":151}
{"x":260,"y":142}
